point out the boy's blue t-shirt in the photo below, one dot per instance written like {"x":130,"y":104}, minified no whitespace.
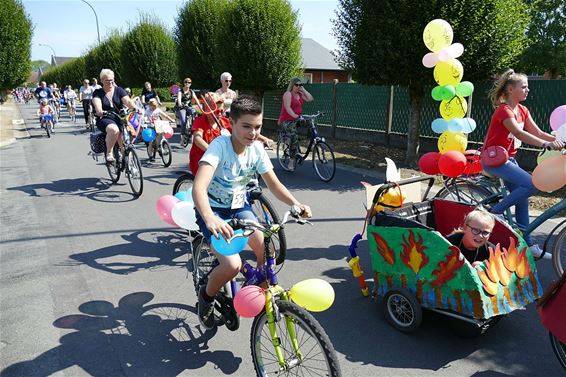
{"x":233,"y":172}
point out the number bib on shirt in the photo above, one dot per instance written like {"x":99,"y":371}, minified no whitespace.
{"x":239,"y":198}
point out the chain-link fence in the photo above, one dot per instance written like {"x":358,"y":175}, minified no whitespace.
{"x":387,"y":109}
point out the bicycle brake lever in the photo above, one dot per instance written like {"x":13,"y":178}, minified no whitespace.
{"x":303,"y":222}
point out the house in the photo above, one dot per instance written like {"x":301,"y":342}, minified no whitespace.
{"x":319,"y":65}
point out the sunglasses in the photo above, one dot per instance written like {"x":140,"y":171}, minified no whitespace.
{"x":188,"y":82}
{"x":227,"y":80}
{"x":298,"y":84}
{"x":478,"y":232}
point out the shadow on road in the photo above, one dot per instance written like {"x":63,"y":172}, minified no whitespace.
{"x":133,"y":338}
{"x":143,"y":250}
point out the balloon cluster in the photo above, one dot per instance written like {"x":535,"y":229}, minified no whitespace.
{"x":453,"y":127}
{"x":178,"y":210}
{"x":550,"y":173}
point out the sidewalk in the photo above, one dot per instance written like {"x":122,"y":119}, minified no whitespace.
{"x":12,"y":125}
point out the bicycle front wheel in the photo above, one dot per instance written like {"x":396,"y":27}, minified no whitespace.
{"x":134,"y":172}
{"x":315,"y":356}
{"x":283,"y":151}
{"x":465,"y":192}
{"x":323,"y":161}
{"x":183,"y":183}
{"x":165,"y":152}
{"x":559,"y":349}
{"x":266,"y":214}
{"x":559,"y":252}
{"x":113,"y":168}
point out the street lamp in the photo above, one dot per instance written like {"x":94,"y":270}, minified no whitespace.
{"x":96,"y":17}
{"x":52,"y":50}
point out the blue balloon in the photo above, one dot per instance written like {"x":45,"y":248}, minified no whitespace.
{"x":468,"y":125}
{"x":439,"y":125}
{"x":148,"y":135}
{"x":455,"y":125}
{"x":185,"y":196}
{"x":234,"y":247}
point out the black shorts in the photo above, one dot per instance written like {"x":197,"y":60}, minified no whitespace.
{"x":102,"y":123}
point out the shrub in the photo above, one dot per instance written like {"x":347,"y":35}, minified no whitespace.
{"x":15,"y":36}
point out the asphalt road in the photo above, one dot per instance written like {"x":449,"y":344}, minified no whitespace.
{"x":90,"y":279}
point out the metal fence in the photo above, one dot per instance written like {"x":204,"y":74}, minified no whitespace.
{"x":365,"y":107}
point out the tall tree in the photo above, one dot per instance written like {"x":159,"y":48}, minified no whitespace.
{"x":15,"y":44}
{"x":381,"y":42}
{"x":197,"y":33}
{"x":261,"y":44}
{"x":148,"y":54}
{"x":547,"y":35}
{"x":107,"y":54}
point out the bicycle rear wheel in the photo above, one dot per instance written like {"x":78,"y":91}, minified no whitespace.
{"x":113,"y":167}
{"x":465,"y":192}
{"x":134,"y":172}
{"x":316,"y":356}
{"x":559,"y":349}
{"x":323,"y":161}
{"x":266,"y":214}
{"x":48,"y":128}
{"x":183,"y":183}
{"x":559,"y":252}
{"x":203,"y":262}
{"x":165,"y":152}
{"x":283,"y":151}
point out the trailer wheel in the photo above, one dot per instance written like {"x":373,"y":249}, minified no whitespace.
{"x":402,"y":310}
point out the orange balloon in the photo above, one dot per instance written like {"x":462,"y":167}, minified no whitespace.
{"x":550,"y":174}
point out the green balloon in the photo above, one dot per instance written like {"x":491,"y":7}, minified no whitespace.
{"x":465,"y":89}
{"x":436,"y":93}
{"x":448,"y":92}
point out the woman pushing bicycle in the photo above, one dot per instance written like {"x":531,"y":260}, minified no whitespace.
{"x":510,"y":125}
{"x":219,"y":193}
{"x":110,"y":97}
{"x":291,"y":110}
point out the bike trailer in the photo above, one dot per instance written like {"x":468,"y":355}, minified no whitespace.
{"x":409,"y":252}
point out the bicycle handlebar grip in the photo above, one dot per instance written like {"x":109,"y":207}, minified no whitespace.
{"x":296,"y":211}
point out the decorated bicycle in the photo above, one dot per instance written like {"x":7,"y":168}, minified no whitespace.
{"x":415,"y":267}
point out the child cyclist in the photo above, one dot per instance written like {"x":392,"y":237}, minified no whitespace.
{"x":228,"y":164}
{"x":153,"y":113}
{"x":45,"y":113}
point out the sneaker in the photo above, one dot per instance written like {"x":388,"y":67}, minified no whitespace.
{"x":538,"y":252}
{"x":292,"y":164}
{"x":205,"y":310}
{"x":110,"y":159}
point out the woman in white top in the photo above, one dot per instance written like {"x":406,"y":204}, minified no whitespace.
{"x":85,"y":96}
{"x":228,"y":95}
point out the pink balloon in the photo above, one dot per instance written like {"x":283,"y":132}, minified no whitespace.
{"x":430,"y":59}
{"x":167,"y":131}
{"x":164,"y":207}
{"x":550,"y":174}
{"x":249,"y":301}
{"x":558,"y":117}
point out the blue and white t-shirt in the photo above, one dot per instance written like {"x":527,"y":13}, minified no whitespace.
{"x":233,"y":172}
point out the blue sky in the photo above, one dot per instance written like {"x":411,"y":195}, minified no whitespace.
{"x":69,"y":26}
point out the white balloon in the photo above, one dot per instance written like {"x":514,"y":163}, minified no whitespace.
{"x":561,"y":133}
{"x":183,"y":214}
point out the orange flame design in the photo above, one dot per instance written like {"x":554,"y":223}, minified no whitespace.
{"x":448,"y":267}
{"x":413,"y":252}
{"x":490,"y":287}
{"x":384,"y":249}
{"x":511,"y":256}
{"x":523,"y":267}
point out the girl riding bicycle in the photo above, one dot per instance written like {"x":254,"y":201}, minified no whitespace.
{"x":154,"y":113}
{"x":512,"y":124}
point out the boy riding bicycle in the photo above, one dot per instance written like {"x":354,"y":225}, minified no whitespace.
{"x":219,"y":193}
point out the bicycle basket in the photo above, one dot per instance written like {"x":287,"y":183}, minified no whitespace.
{"x":98,"y":142}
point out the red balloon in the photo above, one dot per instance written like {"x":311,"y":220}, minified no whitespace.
{"x":428,"y":163}
{"x":473,"y":165}
{"x":452,"y":163}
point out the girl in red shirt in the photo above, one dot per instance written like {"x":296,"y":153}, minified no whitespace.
{"x":510,"y":125}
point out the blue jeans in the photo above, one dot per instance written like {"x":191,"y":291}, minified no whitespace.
{"x":244,"y":213}
{"x":520,"y":186}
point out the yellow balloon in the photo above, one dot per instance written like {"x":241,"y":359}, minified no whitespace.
{"x":452,"y":141}
{"x":437,"y":34}
{"x":449,"y":72}
{"x":315,"y":295}
{"x":547,"y":154}
{"x":455,"y":108}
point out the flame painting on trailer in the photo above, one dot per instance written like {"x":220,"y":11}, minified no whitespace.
{"x":424,"y":262}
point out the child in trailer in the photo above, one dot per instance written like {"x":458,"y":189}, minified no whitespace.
{"x":472,"y":238}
